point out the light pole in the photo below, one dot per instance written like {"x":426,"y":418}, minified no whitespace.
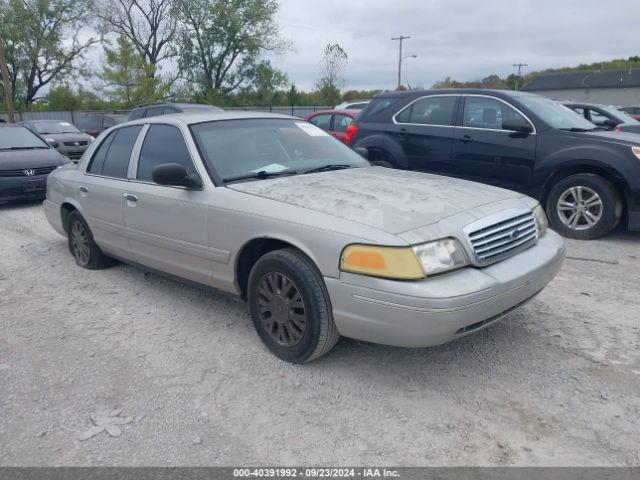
{"x":403,"y":59}
{"x":519,"y":65}
{"x":401,"y":38}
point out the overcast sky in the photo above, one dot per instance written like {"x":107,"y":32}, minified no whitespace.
{"x":464,"y":39}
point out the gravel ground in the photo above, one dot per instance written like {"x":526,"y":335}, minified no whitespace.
{"x":121,"y":367}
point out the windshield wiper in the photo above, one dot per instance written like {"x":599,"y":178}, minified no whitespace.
{"x":578,"y":129}
{"x":261,"y":175}
{"x":327,"y":168}
{"x":23,"y":148}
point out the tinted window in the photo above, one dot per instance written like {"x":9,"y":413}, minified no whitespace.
{"x":429,"y":111}
{"x":341,"y":122}
{"x":163,"y":144}
{"x":108,"y":122}
{"x":136,"y":113}
{"x":484,"y":112}
{"x":112,"y":157}
{"x":323,"y":121}
{"x":90,"y":123}
{"x":153,"y":111}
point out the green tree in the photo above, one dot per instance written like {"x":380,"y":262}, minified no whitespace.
{"x":223,"y":41}
{"x":265,"y":82}
{"x":43,"y":41}
{"x":334,"y":62}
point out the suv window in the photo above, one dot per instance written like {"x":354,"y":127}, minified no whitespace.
{"x":163,"y":144}
{"x":153,"y":111}
{"x":113,"y":154}
{"x":136,"y":113}
{"x":90,"y":123}
{"x":485,"y":112}
{"x":341,"y":122}
{"x":323,"y":121}
{"x":108,"y":122}
{"x":429,"y":111}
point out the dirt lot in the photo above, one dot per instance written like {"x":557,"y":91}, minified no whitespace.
{"x":178,"y":376}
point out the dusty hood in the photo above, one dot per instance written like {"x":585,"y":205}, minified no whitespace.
{"x":394,"y":201}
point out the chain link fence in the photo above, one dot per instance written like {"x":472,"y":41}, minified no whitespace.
{"x":73,"y":116}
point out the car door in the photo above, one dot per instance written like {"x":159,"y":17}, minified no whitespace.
{"x":340,"y":123}
{"x":424,"y":132}
{"x":484,"y":152}
{"x":167,"y":225}
{"x":102,"y":187}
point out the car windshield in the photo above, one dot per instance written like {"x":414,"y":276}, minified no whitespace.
{"x":555,"y":114}
{"x":19,"y":138}
{"x":620,"y":115}
{"x":235,"y":148}
{"x":54,"y":127}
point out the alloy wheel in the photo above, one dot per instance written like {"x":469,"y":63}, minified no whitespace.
{"x":579,"y":207}
{"x":80,"y":243}
{"x":281,"y":309}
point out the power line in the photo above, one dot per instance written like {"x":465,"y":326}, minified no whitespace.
{"x":519,"y":65}
{"x":401,"y":38}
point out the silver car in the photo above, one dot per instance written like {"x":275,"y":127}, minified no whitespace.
{"x":64,"y":137}
{"x":319,"y":242}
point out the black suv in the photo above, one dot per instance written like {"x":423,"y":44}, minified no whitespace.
{"x":587,"y":178}
{"x":153,"y":109}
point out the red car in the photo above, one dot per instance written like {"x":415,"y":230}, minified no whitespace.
{"x":335,"y":122}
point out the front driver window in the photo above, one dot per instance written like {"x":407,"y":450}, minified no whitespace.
{"x":163,"y":144}
{"x":485,"y":112}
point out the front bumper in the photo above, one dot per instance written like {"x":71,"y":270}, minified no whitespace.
{"x":19,"y":189}
{"x":73,"y":153}
{"x":439,"y":309}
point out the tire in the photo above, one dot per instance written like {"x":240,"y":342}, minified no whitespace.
{"x":277,"y":307}
{"x":381,"y":158}
{"x":584,"y":206}
{"x":82,"y":246}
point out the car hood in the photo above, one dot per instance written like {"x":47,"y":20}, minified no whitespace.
{"x":67,"y":137}
{"x":624,"y":138}
{"x":630,"y":127}
{"x":394,"y":201}
{"x":16,"y":159}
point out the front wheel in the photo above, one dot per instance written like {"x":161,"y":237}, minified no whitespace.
{"x":290,"y":307}
{"x":584,"y":206}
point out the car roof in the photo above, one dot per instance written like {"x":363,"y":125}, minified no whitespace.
{"x":454,"y":91}
{"x":350,"y":112}
{"x":190,"y":118}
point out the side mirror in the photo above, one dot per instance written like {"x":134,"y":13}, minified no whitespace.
{"x":363,"y":152}
{"x":610,"y":123}
{"x":175,"y":175}
{"x":517,"y":125}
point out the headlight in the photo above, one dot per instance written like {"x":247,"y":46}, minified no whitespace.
{"x":441,"y":256}
{"x":541,"y":219}
{"x":404,"y":263}
{"x":91,"y":138}
{"x":636,"y":151}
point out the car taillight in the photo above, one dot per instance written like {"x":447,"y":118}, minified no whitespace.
{"x":617,"y":129}
{"x":351,"y":131}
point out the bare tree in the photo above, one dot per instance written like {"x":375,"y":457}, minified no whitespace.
{"x":332,"y":70}
{"x":150,"y":25}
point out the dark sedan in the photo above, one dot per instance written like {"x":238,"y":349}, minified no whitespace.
{"x":25,"y":163}
{"x":63,"y":136}
{"x":605,"y":117}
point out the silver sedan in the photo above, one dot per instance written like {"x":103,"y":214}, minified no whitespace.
{"x":317,"y":240}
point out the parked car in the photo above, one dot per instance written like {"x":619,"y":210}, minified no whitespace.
{"x":95,"y":123}
{"x":153,"y":109}
{"x":63,"y":136}
{"x":335,"y":122}
{"x":352,"y":105}
{"x":25,"y":162}
{"x":606,"y":117}
{"x":633,"y":111}
{"x":586,"y":179}
{"x":319,"y":242}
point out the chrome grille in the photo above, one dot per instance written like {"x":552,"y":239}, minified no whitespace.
{"x":21,"y":172}
{"x":503,"y":238}
{"x":80,"y":143}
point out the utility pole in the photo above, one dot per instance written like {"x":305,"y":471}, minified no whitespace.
{"x":519,"y":65}
{"x":6,"y":82}
{"x":400,"y":38}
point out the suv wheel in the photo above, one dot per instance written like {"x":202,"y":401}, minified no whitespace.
{"x":290,"y":307}
{"x":81,"y":245}
{"x":584,"y":206}
{"x":380,"y":158}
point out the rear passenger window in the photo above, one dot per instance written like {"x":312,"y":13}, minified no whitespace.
{"x":341,"y":122}
{"x":486,"y":112}
{"x":429,"y":111}
{"x":323,"y":121}
{"x":113,"y":154}
{"x":163,"y":144}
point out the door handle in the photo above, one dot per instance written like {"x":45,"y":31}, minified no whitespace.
{"x":130,"y":197}
{"x":466,"y":139}
{"x":402,"y":132}
{"x":83,"y":189}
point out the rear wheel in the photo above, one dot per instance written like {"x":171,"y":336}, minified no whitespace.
{"x":584,"y":206}
{"x":290,"y":307}
{"x":381,"y":158}
{"x":81,"y":245}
